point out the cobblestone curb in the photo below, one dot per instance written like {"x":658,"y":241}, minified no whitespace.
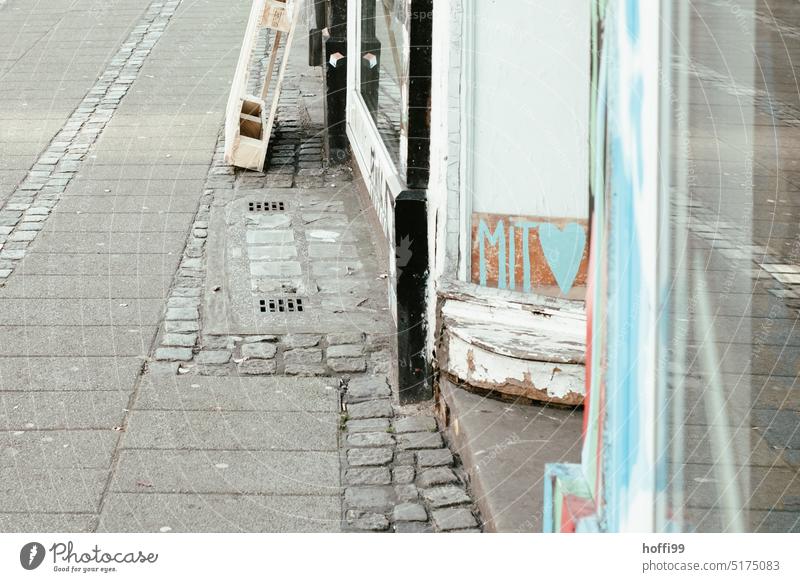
{"x":28,"y":207}
{"x":397,"y":472}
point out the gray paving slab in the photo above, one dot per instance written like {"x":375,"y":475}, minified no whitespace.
{"x":89,"y":449}
{"x":145,"y":204}
{"x":47,"y":522}
{"x":62,"y":410}
{"x":49,"y":373}
{"x":56,"y":53}
{"x":154,"y":512}
{"x":137,"y":187}
{"x":46,"y":489}
{"x":232,"y":430}
{"x":106,"y":243}
{"x":88,"y":287}
{"x":111,"y":264}
{"x":208,"y":131}
{"x":241,"y":472}
{"x":130,"y":340}
{"x":162,"y":144}
{"x":144,"y":158}
{"x":119,"y":223}
{"x":278,"y":394}
{"x":80,"y":312}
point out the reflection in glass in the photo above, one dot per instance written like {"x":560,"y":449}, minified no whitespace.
{"x":384,"y":67}
{"x":729,"y":425}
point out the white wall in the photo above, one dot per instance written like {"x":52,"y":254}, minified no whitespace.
{"x":444,"y":220}
{"x":530,"y":85}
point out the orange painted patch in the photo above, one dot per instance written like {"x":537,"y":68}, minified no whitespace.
{"x":504,"y":267}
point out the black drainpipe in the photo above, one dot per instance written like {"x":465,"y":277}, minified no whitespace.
{"x":411,"y":216}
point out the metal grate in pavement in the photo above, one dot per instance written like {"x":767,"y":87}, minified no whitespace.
{"x":266,"y":206}
{"x":281,"y":305}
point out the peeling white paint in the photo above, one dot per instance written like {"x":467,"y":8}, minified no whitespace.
{"x":515,"y":349}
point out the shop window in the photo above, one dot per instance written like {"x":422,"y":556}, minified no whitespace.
{"x":527,"y":89}
{"x":385,"y":44}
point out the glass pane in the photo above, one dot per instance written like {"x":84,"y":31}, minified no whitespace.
{"x":730,"y":428}
{"x":384,"y":67}
{"x":528,"y":88}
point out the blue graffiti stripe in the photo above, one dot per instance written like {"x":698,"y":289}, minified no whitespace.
{"x":526,"y":255}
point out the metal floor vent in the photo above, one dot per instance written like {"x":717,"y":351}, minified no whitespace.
{"x":266,"y":206}
{"x":281,"y":305}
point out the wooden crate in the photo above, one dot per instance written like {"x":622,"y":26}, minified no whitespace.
{"x":249,"y":119}
{"x":250,"y":150}
{"x":277,"y":15}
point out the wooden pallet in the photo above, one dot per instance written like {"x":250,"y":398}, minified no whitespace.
{"x":248,"y":118}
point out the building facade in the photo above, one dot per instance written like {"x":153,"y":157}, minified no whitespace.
{"x":503,"y":227}
{"x":574,"y":195}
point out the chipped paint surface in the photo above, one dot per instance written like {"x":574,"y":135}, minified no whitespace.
{"x":512,"y":350}
{"x":519,"y":332}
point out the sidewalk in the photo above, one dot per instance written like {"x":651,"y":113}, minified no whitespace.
{"x":50,"y":57}
{"x":141,"y":387}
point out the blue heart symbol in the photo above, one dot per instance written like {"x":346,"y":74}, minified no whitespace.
{"x":563,"y":250}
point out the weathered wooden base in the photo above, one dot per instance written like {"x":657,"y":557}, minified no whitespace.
{"x":513,"y":349}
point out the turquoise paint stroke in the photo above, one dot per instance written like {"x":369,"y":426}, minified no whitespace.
{"x":512,"y":258}
{"x":563,"y":250}
{"x":526,"y":255}
{"x":497,"y":238}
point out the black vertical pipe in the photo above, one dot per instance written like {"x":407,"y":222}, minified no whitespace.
{"x":419,"y":94}
{"x":411,"y":214}
{"x":411,"y":238}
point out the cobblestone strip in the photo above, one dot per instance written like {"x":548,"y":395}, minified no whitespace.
{"x":397,"y":472}
{"x":26,"y":210}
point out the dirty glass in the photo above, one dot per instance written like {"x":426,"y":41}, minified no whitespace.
{"x":384,"y":67}
{"x":729,"y":252}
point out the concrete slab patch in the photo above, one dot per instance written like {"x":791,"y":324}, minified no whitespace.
{"x":47,"y":522}
{"x":197,"y":513}
{"x":233,"y":430}
{"x":237,"y":393}
{"x":68,"y":490}
{"x":241,"y":472}
{"x":250,"y":261}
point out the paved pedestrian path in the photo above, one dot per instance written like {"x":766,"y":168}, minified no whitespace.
{"x":129,"y":398}
{"x":51,"y":55}
{"x":81,"y":309}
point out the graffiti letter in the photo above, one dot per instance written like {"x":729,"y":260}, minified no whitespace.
{"x":497,"y":238}
{"x":512,"y":259}
{"x":526,"y":253}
